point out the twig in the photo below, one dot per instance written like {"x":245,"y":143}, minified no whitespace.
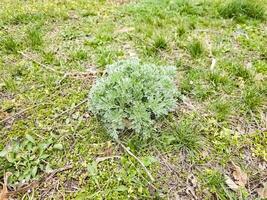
{"x":54,"y":172}
{"x":78,"y":74}
{"x":68,"y":110}
{"x":254,"y":118}
{"x":18,"y":113}
{"x":167,"y":164}
{"x":38,"y":182}
{"x":100,"y":159}
{"x":134,"y":156}
{"x":4,"y":194}
{"x":42,"y":65}
{"x":65,"y":75}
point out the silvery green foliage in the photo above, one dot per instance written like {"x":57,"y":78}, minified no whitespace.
{"x":132,"y":95}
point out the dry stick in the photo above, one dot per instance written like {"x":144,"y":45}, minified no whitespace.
{"x":254,"y":118}
{"x":42,"y":65}
{"x":4,"y":192}
{"x":68,"y":110}
{"x":134,"y":156}
{"x":59,"y":72}
{"x":18,"y":113}
{"x":38,"y":182}
{"x":100,"y":159}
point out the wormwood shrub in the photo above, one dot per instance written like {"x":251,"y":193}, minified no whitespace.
{"x":132,"y":95}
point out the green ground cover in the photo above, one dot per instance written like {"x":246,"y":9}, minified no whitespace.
{"x":50,"y":53}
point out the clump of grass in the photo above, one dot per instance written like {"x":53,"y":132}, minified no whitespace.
{"x":49,"y":57}
{"x":35,"y":37}
{"x":106,"y":57}
{"x":183,"y":136}
{"x":181,"y":30}
{"x":239,"y":70}
{"x":10,"y":84}
{"x":212,"y":179}
{"x":25,"y":18}
{"x":222,"y":109}
{"x":215,"y":182}
{"x":79,"y":55}
{"x":220,"y":81}
{"x":195,"y":49}
{"x":252,"y":98}
{"x":217,"y":79}
{"x":179,"y":64}
{"x":192,"y":83}
{"x":9,"y":45}
{"x":160,"y":43}
{"x":243,"y":8}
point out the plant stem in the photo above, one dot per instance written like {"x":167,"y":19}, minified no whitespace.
{"x":136,"y":158}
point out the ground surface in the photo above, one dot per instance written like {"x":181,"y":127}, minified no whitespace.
{"x":214,"y":146}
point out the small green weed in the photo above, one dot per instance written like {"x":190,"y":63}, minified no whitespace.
{"x":119,"y":180}
{"x":27,"y":157}
{"x":258,"y":144}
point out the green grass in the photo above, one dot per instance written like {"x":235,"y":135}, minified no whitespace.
{"x":183,"y":135}
{"x":34,"y":37}
{"x":195,"y":49}
{"x":160,"y":43}
{"x":9,"y":45}
{"x":215,"y":182}
{"x":222,"y":109}
{"x":220,"y":115}
{"x":243,"y":8}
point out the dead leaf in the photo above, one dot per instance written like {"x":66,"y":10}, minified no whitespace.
{"x":4,"y":192}
{"x":108,"y":149}
{"x":240,"y":177}
{"x":262,"y":192}
{"x":3,"y":114}
{"x":213,"y":63}
{"x":191,"y":186}
{"x":231,"y":184}
{"x":205,"y":154}
{"x":125,"y":30}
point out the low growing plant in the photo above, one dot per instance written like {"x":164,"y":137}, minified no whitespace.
{"x":26,"y":157}
{"x":132,"y":95}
